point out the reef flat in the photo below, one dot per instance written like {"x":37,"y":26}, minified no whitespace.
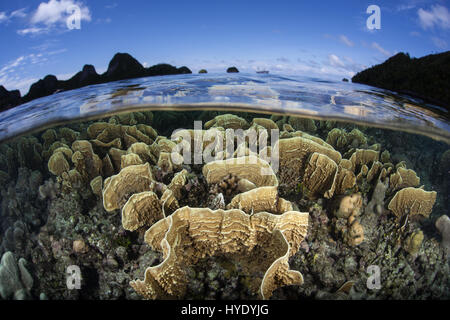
{"x":346,"y":212}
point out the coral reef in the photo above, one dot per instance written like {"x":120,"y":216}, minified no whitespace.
{"x":111,"y":197}
{"x":262,"y":199}
{"x":349,"y":206}
{"x":412,"y":201}
{"x":227,"y":121}
{"x":251,"y":168}
{"x":262,"y":242}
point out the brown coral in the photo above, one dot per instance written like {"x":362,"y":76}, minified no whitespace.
{"x":107,"y":135}
{"x":143,"y":151}
{"x":303,"y":124}
{"x":87,"y":163}
{"x":266,"y":123}
{"x":355,"y":234}
{"x":320,"y":174}
{"x":413,"y":242}
{"x":96,"y":185}
{"x":141,"y":209}
{"x":130,"y":159}
{"x":374,"y":171}
{"x":262,"y":243}
{"x":169,"y":202}
{"x":342,"y":140}
{"x":118,"y":188}
{"x":403,"y":178}
{"x":251,"y":168}
{"x":363,"y":157}
{"x":227,"y":121}
{"x":345,"y":180}
{"x":412,"y":201}
{"x":79,"y":246}
{"x":263,"y":199}
{"x":57,"y":164}
{"x":349,"y":206}
{"x":337,"y":138}
{"x":178,"y":182}
{"x":294,"y":154}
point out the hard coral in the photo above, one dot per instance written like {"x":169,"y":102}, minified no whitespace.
{"x":262,"y":199}
{"x":412,"y":201}
{"x":252,"y":168}
{"x":349,"y":205}
{"x":262,"y":243}
{"x":443,"y":225}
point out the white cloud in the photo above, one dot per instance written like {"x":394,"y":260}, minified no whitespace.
{"x":32,"y":30}
{"x":346,"y":41}
{"x":65,"y":76}
{"x":9,"y":67}
{"x":10,"y":79}
{"x":14,"y":74}
{"x":23,"y":85}
{"x":440,"y":43}
{"x":332,"y":66}
{"x":3,"y":17}
{"x":51,"y":53}
{"x":46,"y":45}
{"x":380,"y":49}
{"x":335,"y":61}
{"x":20,"y":13}
{"x":52,"y":14}
{"x":55,"y":11}
{"x":438,"y":16}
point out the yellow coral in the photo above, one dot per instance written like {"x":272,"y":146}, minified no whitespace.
{"x":262,"y":243}
{"x":412,"y":201}
{"x":251,"y":168}
{"x":259,"y":200}
{"x":118,"y":188}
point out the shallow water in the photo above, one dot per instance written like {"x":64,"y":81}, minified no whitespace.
{"x":308,"y":97}
{"x":371,"y":195}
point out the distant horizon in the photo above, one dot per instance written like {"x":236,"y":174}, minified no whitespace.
{"x":216,"y":71}
{"x":330,"y":40}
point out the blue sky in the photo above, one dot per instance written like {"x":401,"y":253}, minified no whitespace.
{"x":328,"y":39}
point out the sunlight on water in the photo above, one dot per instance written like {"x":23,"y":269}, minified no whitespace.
{"x":258,"y":93}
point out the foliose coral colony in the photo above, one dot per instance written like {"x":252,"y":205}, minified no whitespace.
{"x":220,"y":229}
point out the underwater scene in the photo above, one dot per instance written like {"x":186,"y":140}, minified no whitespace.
{"x":224,"y":187}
